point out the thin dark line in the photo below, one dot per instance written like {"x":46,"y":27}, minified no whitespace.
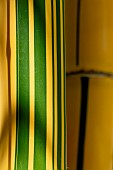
{"x":52,"y":20}
{"x":78,"y":32}
{"x":58,"y":84}
{"x":8,"y":52}
{"x":83,"y":115}
{"x":90,"y":73}
{"x":64,"y":60}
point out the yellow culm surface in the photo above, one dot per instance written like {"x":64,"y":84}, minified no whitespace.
{"x":89,"y":54}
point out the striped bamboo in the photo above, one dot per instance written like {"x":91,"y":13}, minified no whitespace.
{"x":32,"y":85}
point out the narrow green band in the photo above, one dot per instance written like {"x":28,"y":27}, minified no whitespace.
{"x":40,"y":85}
{"x":22,"y":124}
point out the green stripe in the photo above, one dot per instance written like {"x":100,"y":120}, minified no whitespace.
{"x":59,"y":83}
{"x":52,"y":18}
{"x":40,"y":85}
{"x":65,"y":165}
{"x":17,"y":88}
{"x":22,"y":40}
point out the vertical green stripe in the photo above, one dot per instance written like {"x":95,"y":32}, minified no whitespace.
{"x":17,"y":88}
{"x":64,"y":88}
{"x":40,"y":85}
{"x":22,"y":41}
{"x":53,"y":79}
{"x":59,"y":83}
